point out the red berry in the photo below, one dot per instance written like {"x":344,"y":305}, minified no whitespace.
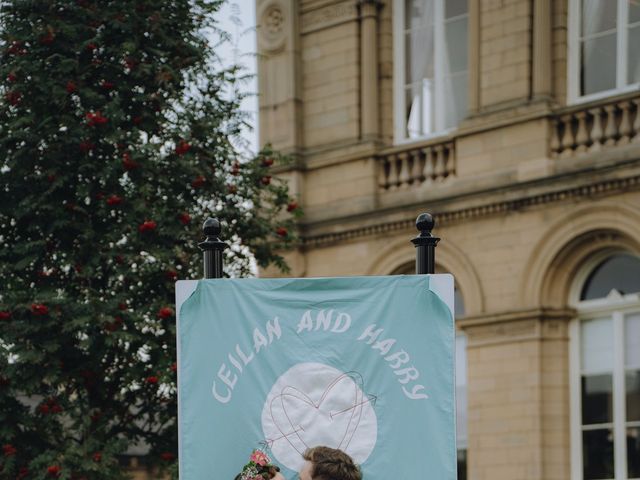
{"x":43,"y":409}
{"x":9,"y":450}
{"x":127,"y":162}
{"x":48,"y":38}
{"x":122,"y":306}
{"x":53,"y":471}
{"x":16,"y":48}
{"x":182,"y":147}
{"x":114,"y":200}
{"x":137,"y":120}
{"x":198,"y":181}
{"x":91,"y":47}
{"x":167,"y":456}
{"x":152,"y":380}
{"x":107,"y":85}
{"x":71,"y":87}
{"x":266,"y":180}
{"x":13,"y":97}
{"x":12,"y":77}
{"x":282,"y":231}
{"x":232,"y":189}
{"x":39,"y":309}
{"x":95,"y":118}
{"x":292,"y":206}
{"x":147,"y":226}
{"x":184,"y":218}
{"x":87,"y":146}
{"x":174,"y":367}
{"x":5,"y":315}
{"x":97,"y":457}
{"x":267,"y":162}
{"x":165,"y":312}
{"x":171,"y":275}
{"x":22,"y":473}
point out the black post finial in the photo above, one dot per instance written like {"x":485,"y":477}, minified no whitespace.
{"x":425,"y":244}
{"x":212,"y":248}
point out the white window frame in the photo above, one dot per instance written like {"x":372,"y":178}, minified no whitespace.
{"x":399,"y":98}
{"x":615,"y":307}
{"x":573,"y":55}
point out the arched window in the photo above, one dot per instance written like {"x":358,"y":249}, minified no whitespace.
{"x":461,"y":373}
{"x":605,"y":359}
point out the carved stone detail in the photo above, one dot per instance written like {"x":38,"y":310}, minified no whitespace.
{"x":271,"y":27}
{"x":328,"y":16}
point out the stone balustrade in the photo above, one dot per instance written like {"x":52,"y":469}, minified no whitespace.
{"x":417,"y":165}
{"x":594,"y":127}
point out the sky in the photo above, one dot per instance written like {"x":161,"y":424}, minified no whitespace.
{"x":238,"y":18}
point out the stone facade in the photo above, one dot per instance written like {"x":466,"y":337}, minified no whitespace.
{"x":524,"y":191}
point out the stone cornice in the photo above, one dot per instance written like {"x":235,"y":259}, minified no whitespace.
{"x":515,"y":315}
{"x":509,"y":327}
{"x":590,"y":190}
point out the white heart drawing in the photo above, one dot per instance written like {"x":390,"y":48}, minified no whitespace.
{"x":314,"y":404}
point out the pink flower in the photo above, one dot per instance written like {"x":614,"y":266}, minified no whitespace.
{"x":259,"y":457}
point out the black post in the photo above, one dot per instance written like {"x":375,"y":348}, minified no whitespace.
{"x":212,"y":248}
{"x":425,"y":245}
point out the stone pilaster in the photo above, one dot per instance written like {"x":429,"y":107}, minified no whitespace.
{"x":279,"y":74}
{"x":518,"y":395}
{"x":369,"y":119}
{"x":541,"y":68}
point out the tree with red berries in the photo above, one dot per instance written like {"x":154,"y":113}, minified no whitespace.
{"x":118,"y":134}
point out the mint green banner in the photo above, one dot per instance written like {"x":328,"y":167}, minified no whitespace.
{"x":364,"y":364}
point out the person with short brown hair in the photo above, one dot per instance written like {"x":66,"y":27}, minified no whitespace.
{"x":324,"y":463}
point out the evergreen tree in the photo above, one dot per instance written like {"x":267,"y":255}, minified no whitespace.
{"x":118,"y":131}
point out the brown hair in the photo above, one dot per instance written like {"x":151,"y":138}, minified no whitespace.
{"x":331,"y":464}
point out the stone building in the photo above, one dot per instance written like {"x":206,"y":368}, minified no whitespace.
{"x":516,"y":123}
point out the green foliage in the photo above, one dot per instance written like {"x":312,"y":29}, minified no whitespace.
{"x":118,"y":137}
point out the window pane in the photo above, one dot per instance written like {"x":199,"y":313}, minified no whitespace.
{"x":456,"y":46}
{"x":633,"y":53}
{"x":418,"y":13}
{"x":419,"y":62}
{"x":620,"y":272}
{"x":598,"y":64}
{"x":632,"y":340}
{"x":597,"y":454}
{"x":455,"y":100}
{"x":597,"y":399}
{"x":634,"y":11}
{"x":596,"y":349}
{"x":453,"y":8}
{"x":633,"y":452}
{"x":632,"y":386}
{"x":419,"y":104}
{"x":598,"y":16}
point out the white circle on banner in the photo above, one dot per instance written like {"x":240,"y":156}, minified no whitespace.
{"x":313,"y":404}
